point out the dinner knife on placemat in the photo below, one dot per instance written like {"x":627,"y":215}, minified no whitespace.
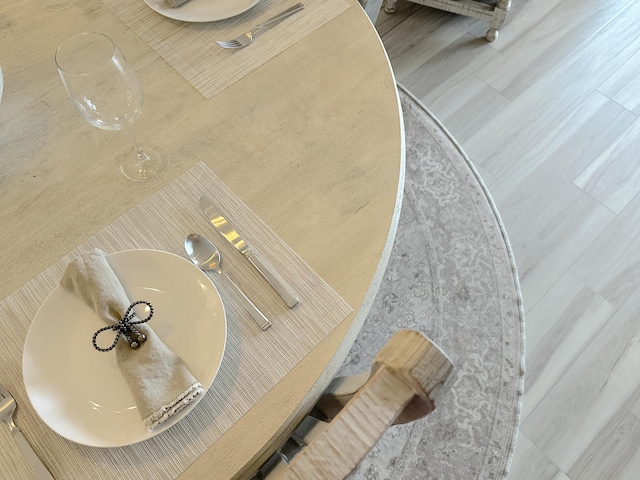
{"x":224,"y":228}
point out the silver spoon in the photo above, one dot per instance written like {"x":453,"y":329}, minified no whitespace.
{"x":204,"y":255}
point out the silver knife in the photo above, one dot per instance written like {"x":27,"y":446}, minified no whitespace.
{"x":225,"y":229}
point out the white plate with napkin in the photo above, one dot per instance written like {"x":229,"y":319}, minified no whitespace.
{"x":201,"y":10}
{"x":80,"y":392}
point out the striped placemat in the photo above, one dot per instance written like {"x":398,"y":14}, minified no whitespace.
{"x":254,"y":361}
{"x":191,"y":48}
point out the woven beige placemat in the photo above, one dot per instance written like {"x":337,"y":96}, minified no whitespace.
{"x":191,"y":48}
{"x":254,"y":360}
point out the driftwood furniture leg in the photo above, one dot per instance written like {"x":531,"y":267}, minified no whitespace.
{"x":403,"y":385}
{"x":494,"y":14}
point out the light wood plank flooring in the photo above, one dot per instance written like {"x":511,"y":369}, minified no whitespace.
{"x":549,"y":115}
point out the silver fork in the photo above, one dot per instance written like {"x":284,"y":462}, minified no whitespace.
{"x":245,"y":39}
{"x":7,"y":407}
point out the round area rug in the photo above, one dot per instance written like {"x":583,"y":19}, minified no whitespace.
{"x":452,"y":277}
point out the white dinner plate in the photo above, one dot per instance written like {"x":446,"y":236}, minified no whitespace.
{"x":202,"y":10}
{"x":78,"y":391}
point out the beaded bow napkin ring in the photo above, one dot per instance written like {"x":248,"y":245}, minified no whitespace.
{"x":126,"y":328}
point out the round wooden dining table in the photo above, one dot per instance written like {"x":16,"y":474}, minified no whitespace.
{"x":312,"y":141}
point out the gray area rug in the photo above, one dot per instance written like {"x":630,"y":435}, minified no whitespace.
{"x":452,"y":277}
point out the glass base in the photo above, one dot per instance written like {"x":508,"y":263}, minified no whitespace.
{"x":147,"y":165}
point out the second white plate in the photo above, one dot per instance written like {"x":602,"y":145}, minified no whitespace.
{"x":202,"y":10}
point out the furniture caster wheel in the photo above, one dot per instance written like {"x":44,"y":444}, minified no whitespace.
{"x":492,"y":34}
{"x":390,"y":6}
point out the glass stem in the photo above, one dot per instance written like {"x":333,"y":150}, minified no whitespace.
{"x":141,"y":156}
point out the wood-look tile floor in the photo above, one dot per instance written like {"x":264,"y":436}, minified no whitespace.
{"x":548,"y":113}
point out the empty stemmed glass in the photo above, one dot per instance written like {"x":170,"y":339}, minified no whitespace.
{"x":107,"y":93}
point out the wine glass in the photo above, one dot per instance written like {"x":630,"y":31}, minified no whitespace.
{"x":105,"y":90}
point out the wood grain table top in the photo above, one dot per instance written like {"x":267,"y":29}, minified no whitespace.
{"x":312,"y":141}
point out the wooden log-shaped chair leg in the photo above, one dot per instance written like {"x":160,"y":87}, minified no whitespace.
{"x":406,"y":377}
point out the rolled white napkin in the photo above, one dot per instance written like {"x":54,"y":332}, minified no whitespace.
{"x":175,"y":3}
{"x":159,"y":380}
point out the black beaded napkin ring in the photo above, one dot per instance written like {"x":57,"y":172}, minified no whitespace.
{"x":125,"y":327}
